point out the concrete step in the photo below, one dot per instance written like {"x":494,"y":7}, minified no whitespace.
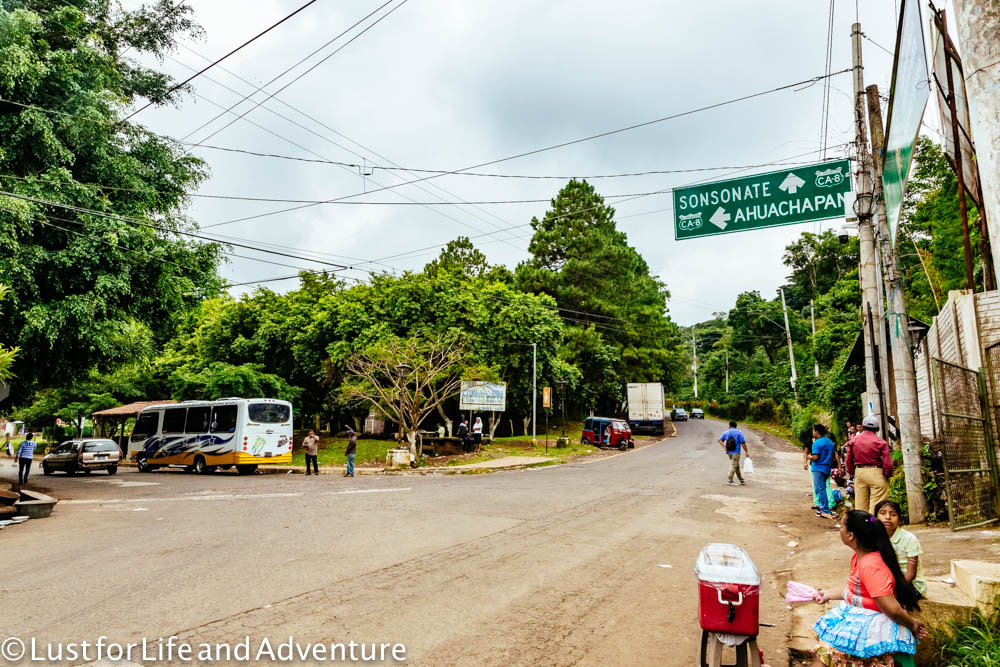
{"x":978,"y":580}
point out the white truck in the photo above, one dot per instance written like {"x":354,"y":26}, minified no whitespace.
{"x":645,"y":407}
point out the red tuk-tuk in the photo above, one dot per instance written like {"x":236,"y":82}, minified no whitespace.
{"x":607,"y":432}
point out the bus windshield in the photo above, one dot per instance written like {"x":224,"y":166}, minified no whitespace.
{"x":269,"y":413}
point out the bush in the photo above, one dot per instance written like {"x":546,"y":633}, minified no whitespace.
{"x":764,"y":410}
{"x":976,"y":644}
{"x":804,"y":418}
{"x":932,"y":472}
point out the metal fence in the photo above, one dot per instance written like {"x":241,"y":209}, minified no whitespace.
{"x":965,"y":437}
{"x":992,"y":368}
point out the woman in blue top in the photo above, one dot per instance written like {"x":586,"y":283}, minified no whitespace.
{"x":824,"y":459}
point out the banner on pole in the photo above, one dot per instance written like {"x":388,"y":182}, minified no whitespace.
{"x":546,"y":397}
{"x":908,"y":95}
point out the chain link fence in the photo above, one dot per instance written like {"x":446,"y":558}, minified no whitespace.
{"x":966,"y":442}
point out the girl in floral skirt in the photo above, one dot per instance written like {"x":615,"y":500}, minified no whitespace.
{"x":871,"y":623}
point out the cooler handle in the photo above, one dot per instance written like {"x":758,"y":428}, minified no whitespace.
{"x":738,"y":602}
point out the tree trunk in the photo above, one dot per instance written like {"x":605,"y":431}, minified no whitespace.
{"x":527,"y":423}
{"x":494,"y":422}
{"x":447,"y":420}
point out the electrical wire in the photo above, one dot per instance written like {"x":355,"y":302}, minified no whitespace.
{"x":213,"y":64}
{"x":323,"y":60}
{"x":560,"y":145}
{"x":141,"y":223}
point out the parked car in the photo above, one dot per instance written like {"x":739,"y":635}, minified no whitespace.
{"x":697,"y":413}
{"x":83,"y":455}
{"x":678,"y":415}
{"x":607,"y":432}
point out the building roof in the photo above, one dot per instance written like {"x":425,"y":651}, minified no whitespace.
{"x":129,"y":409}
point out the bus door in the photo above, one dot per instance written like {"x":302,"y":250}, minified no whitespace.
{"x":268,"y":432}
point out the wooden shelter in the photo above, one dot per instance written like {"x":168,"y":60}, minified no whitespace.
{"x":110,"y":423}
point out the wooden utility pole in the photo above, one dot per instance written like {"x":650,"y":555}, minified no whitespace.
{"x":791,"y":350}
{"x":978,"y":23}
{"x":907,"y":406}
{"x":863,"y":207}
{"x":956,"y":136}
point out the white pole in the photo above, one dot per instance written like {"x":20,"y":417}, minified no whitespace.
{"x":791,"y":351}
{"x":534,"y":387}
{"x":694,"y":366}
{"x":812,"y":314}
{"x":727,"y":371}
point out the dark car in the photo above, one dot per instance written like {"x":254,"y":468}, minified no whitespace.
{"x":83,"y":455}
{"x":697,"y":413}
{"x":678,"y":415}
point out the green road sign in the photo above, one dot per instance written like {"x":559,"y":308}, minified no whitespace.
{"x":786,"y":197}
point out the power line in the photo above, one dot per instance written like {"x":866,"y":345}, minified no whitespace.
{"x":135,"y":221}
{"x":560,"y":145}
{"x":323,"y":60}
{"x":353,"y":165}
{"x":205,"y":69}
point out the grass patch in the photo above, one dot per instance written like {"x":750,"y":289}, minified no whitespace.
{"x":331,"y":451}
{"x":975,"y":644}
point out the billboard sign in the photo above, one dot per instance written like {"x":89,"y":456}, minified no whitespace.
{"x":483,"y":396}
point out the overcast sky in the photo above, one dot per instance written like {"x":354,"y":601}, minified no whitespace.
{"x":446,"y":84}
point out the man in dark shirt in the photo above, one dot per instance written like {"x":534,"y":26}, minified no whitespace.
{"x":869,"y":461}
{"x":352,"y":449}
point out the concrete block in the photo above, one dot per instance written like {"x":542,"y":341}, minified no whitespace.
{"x":979,"y":580}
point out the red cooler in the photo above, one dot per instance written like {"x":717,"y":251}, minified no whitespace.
{"x":728,"y":590}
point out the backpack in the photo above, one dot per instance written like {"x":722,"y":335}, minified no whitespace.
{"x":732,"y":445}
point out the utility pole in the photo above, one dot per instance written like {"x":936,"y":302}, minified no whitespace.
{"x":791,"y":351}
{"x":694,"y":366}
{"x":978,"y":23}
{"x":812,"y":315}
{"x":534,"y":389}
{"x":727,"y":371}
{"x":907,"y":406}
{"x":866,"y":235}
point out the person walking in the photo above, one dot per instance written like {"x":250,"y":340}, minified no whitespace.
{"x":310,"y":445}
{"x":869,"y":462}
{"x":352,"y":449}
{"x":732,"y":441}
{"x":477,"y":433}
{"x":7,"y":447}
{"x":823,"y":458}
{"x":25,"y":455}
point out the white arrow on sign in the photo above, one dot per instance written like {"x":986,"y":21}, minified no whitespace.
{"x":720,"y":218}
{"x":791,"y":184}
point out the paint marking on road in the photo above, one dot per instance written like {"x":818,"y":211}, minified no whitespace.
{"x":341,"y":493}
{"x":230,"y":496}
{"x":118,"y":482}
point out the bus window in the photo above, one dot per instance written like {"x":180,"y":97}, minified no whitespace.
{"x":269,"y":413}
{"x":145,"y":426}
{"x":224,"y":419}
{"x":197,"y":420}
{"x":173,"y":420}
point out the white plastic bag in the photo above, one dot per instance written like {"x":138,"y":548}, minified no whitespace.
{"x":748,"y":465}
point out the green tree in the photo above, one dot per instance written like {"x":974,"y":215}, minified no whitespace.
{"x":79,"y":278}
{"x":7,"y":355}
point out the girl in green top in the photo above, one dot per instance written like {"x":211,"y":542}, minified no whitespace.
{"x":905,"y":544}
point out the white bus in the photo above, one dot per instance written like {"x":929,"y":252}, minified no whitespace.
{"x":205,"y":435}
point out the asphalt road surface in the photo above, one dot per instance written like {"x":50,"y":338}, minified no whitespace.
{"x":561,"y":565}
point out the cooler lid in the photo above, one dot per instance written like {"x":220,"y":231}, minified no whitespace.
{"x":726,"y":564}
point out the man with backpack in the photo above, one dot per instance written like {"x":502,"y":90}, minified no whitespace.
{"x":732,"y":441}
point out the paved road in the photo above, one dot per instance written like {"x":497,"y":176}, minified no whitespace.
{"x":557,"y":565}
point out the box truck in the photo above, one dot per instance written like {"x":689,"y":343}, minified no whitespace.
{"x":645,"y":407}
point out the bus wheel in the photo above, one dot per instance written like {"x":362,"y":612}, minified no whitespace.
{"x":246,"y":470}
{"x":199,"y":465}
{"x":142,"y":466}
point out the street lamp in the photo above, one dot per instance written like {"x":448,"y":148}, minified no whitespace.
{"x":562,"y":393}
